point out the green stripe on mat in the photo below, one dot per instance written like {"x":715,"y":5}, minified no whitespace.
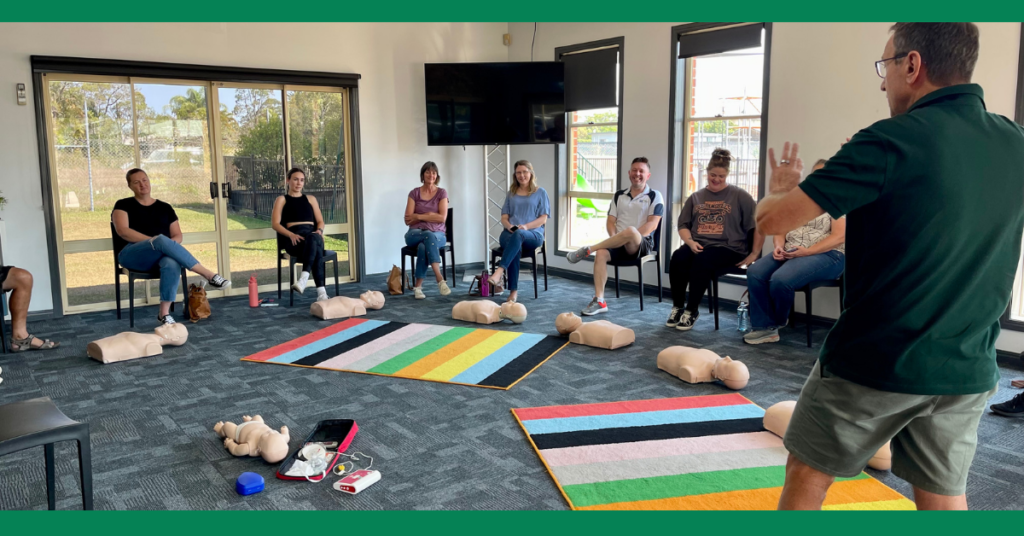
{"x":664,"y":487}
{"x":416,"y":353}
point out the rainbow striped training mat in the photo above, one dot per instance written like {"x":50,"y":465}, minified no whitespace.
{"x":466,"y":356}
{"x":691,"y":453}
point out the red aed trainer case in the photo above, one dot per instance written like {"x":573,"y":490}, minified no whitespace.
{"x":341,"y":431}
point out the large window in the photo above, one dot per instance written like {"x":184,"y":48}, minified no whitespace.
{"x":718,"y":101}
{"x":217,"y":151}
{"x":591,"y":163}
{"x":1014,"y":316}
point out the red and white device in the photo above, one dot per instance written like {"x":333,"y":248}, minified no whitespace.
{"x":357,"y":481}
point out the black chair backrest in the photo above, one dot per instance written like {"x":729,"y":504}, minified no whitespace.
{"x":657,"y":238}
{"x":119,"y":244}
{"x":448,"y":227}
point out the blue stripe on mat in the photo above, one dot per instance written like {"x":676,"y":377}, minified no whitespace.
{"x":503,"y":356}
{"x":646,"y":418}
{"x":327,"y":342}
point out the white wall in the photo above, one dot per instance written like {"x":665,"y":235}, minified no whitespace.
{"x":823,"y":89}
{"x":389,"y":57}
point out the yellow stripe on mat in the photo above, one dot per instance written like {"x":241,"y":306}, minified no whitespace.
{"x":443,"y":355}
{"x":470,"y":357}
{"x":898,"y":504}
{"x":847,"y":494}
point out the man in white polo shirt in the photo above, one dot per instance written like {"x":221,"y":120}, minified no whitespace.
{"x":633,"y":216}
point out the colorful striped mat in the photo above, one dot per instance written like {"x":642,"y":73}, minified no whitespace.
{"x":466,"y":356}
{"x":691,"y":453}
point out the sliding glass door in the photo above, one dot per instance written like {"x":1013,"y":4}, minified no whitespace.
{"x":216,"y":152}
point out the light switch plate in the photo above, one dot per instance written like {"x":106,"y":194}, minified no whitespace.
{"x":22,"y":98}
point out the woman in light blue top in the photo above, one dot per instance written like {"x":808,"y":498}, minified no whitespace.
{"x":523,"y":215}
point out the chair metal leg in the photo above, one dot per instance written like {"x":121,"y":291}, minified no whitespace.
{"x":117,"y":294}
{"x":534,"y":267}
{"x":403,"y":272}
{"x":291,"y":281}
{"x":715,"y":299}
{"x":51,"y":481}
{"x":279,"y":275}
{"x":711,"y":296}
{"x":616,"y":281}
{"x":640,"y":276}
{"x":444,"y":269}
{"x":451,"y":252}
{"x":544,"y":253}
{"x":3,"y":323}
{"x":337,"y":286}
{"x":184,"y":294}
{"x":85,"y":470}
{"x":412,"y":272}
{"x":131,"y":301}
{"x":807,"y":303}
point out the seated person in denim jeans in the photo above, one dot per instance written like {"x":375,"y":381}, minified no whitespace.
{"x":425,"y":213}
{"x":151,"y":228}
{"x":523,"y":216}
{"x":297,"y":218}
{"x":813,"y":252}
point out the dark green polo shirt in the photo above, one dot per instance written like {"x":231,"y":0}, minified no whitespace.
{"x":934,"y":200}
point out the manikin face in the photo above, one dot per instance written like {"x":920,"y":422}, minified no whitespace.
{"x":638,"y":175}
{"x":897,"y":90}
{"x":716,"y":178}
{"x":429,"y":177}
{"x":523,"y":176}
{"x":296,"y":183}
{"x":139,"y":183}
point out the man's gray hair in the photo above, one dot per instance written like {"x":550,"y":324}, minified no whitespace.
{"x":949,"y":50}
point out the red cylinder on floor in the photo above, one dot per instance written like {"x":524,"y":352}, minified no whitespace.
{"x":254,"y":293}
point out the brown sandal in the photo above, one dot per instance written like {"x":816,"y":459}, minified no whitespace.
{"x":23,"y":345}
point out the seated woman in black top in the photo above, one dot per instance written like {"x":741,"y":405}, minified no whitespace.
{"x":297,"y":218}
{"x":151,"y":228}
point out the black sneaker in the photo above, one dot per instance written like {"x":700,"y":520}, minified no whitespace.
{"x":219,"y":282}
{"x":673,"y":317}
{"x":687,"y":321}
{"x":1013,"y":407}
{"x":166,"y":320}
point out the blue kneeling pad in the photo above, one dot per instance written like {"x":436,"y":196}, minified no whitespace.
{"x":249,"y":483}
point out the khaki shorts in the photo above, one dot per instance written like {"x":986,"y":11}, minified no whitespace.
{"x":838,"y":426}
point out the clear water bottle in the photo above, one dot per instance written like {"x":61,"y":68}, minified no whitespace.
{"x":742,"y":317}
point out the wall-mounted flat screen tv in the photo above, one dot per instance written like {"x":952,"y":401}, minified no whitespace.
{"x":495,"y":103}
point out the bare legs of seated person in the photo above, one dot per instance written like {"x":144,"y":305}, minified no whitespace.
{"x":169,"y":256}
{"x":629,"y":239}
{"x":19,"y":282}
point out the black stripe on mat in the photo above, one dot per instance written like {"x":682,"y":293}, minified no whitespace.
{"x":313,"y":360}
{"x":522,"y":365}
{"x":647,"y":433}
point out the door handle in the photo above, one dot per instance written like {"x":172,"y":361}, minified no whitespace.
{"x":225,"y":190}
{"x":213,"y":190}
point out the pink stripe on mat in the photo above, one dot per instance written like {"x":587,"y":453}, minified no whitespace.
{"x":274,"y":351}
{"x":355,"y":354}
{"x":631,"y":406}
{"x":659,"y":449}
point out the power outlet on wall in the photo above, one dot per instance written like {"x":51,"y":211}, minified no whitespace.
{"x":507,"y":39}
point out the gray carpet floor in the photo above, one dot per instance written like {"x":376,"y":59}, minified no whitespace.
{"x":438,"y":446}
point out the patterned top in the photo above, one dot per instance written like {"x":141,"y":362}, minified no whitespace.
{"x":811,"y":233}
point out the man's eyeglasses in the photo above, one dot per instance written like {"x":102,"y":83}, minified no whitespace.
{"x":880,"y":64}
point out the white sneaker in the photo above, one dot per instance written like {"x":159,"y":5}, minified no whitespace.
{"x":417,"y":292}
{"x":321,"y":294}
{"x":442,"y":287}
{"x":300,"y":285}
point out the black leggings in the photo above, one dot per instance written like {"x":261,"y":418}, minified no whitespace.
{"x":697,"y":269}
{"x":309,"y":252}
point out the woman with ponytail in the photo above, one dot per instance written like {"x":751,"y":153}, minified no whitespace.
{"x":715,"y":225}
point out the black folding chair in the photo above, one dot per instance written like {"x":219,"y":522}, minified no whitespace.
{"x":282,"y":255}
{"x":449,"y":246}
{"x":639,"y":263}
{"x":809,"y":288}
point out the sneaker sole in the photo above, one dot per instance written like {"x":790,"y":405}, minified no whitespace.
{"x":681,"y":327}
{"x":762,"y":340}
{"x":671,"y":324}
{"x":299,"y":290}
{"x":1006,"y":414}
{"x":599,"y":311}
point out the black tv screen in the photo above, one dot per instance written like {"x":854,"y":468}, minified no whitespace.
{"x":495,"y":103}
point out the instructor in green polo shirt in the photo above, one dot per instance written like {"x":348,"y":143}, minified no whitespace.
{"x":934,"y":200}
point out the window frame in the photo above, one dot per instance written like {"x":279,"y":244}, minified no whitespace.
{"x":563,"y":192}
{"x":1005,"y":321}
{"x":676,"y":162}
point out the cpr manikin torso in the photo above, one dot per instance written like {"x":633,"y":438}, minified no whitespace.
{"x":488,"y":312}
{"x":131,"y":345}
{"x":254,"y":438}
{"x":776,"y":421}
{"x":599,"y":334}
{"x":696,"y":365}
{"x":344,"y":307}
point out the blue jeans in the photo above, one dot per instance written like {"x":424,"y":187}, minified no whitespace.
{"x":512,"y":246}
{"x":427,"y":244}
{"x":773,"y":284}
{"x":160,"y":251}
